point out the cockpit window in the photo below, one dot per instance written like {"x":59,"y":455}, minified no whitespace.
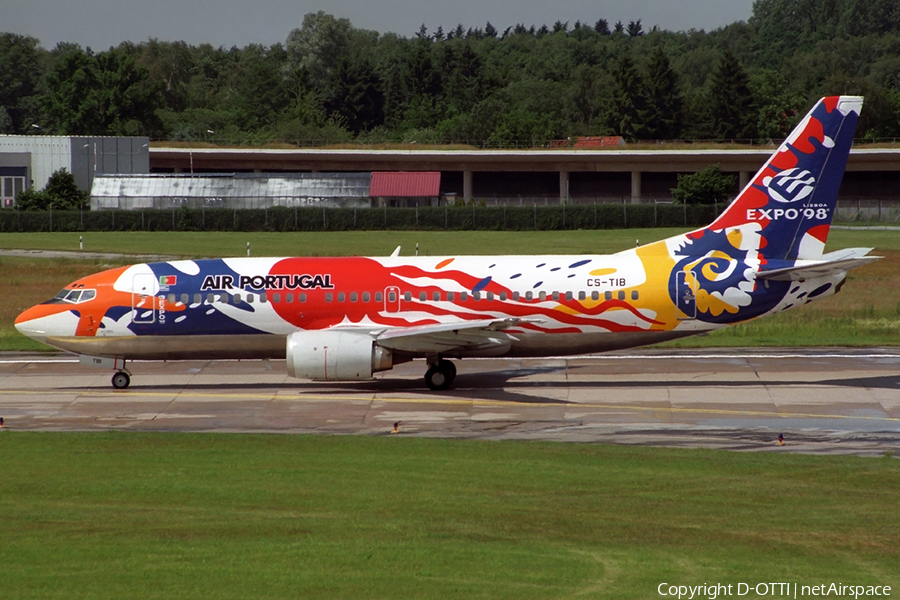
{"x":76,"y":296}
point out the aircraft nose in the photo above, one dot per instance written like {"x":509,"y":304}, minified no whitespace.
{"x":43,"y":320}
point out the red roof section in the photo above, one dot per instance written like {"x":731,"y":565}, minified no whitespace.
{"x":407,"y":184}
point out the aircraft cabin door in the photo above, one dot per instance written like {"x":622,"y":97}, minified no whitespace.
{"x":392,"y":299}
{"x":143,"y":302}
{"x":685,"y":295}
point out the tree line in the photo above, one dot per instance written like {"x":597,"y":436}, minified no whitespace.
{"x":330,"y":81}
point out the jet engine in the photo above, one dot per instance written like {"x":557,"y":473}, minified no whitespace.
{"x":335,"y":355}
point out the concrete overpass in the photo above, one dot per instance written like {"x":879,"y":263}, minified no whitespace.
{"x":871,"y":172}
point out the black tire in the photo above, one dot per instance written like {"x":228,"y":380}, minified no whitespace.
{"x":121,"y":380}
{"x":450,"y":366}
{"x":440,"y":376}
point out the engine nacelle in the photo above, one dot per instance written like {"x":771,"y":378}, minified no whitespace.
{"x":335,"y":355}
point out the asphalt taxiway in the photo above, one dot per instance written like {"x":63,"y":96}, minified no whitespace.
{"x":821,"y":400}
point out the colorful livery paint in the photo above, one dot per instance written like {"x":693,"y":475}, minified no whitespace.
{"x":346,"y":318}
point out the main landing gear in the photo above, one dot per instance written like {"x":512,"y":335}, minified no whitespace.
{"x":440,"y":375}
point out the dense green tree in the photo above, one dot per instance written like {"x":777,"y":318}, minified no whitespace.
{"x":19,"y":80}
{"x":732,"y":105}
{"x":665,"y":105}
{"x":628,"y":114}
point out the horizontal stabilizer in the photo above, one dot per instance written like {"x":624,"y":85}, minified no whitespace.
{"x":832,"y":263}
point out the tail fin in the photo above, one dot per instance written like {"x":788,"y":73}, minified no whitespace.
{"x":793,"y":197}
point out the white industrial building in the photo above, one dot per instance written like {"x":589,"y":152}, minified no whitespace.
{"x":28,"y":161}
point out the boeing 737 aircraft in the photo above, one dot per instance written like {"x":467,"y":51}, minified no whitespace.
{"x":347,"y":318}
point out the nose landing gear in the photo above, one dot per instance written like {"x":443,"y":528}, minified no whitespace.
{"x":440,"y":375}
{"x":121,"y":380}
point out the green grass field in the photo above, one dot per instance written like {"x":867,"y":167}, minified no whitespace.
{"x":865,"y":313}
{"x":132,"y":515}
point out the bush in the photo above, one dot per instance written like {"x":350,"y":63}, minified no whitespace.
{"x":708,"y":186}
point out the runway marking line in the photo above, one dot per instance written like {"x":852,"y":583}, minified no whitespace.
{"x":456,"y":401}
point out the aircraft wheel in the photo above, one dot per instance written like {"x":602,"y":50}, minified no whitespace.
{"x":440,"y":376}
{"x":452,"y":368}
{"x":121,"y":380}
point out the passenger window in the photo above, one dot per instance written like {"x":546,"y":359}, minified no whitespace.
{"x":341,"y":297}
{"x":515,"y":296}
{"x":407,"y":296}
{"x":423,"y":296}
{"x":556,"y":296}
{"x":581,"y":295}
{"x":379,"y":297}
{"x":569,"y":295}
{"x":301,"y":297}
{"x":502,"y":296}
{"x":450,"y":296}
{"x":529,"y":296}
{"x":634,"y":295}
{"x":198,"y":298}
{"x":366,"y":296}
{"x":490,"y":296}
{"x":463,"y":296}
{"x":170,"y":298}
{"x":237,"y":298}
{"x":436,"y":296}
{"x":608,"y":295}
{"x":263,"y":298}
{"x":354,"y":297}
{"x":184,"y":298}
{"x":621,"y":294}
{"x":476,"y":296}
{"x":595,"y":296}
{"x":250,"y":298}
{"x":542,"y":296}
{"x":276,"y":298}
{"x":329,"y":297}
{"x":392,"y":296}
{"x":210,"y":298}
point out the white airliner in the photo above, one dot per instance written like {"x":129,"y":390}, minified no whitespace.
{"x":347,"y":318}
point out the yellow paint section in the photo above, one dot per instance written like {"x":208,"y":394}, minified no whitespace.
{"x":653,"y":293}
{"x":735,"y":237}
{"x":713,"y":305}
{"x":599,"y":272}
{"x":708,"y":269}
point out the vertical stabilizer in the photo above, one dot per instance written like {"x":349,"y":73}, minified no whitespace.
{"x":792,"y":199}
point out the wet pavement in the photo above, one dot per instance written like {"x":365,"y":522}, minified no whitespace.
{"x":823,"y":401}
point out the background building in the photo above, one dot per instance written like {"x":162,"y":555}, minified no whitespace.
{"x":28,"y":161}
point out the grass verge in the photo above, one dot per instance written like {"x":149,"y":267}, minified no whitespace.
{"x":115,"y":515}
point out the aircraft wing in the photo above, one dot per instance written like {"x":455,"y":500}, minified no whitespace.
{"x":832,"y":263}
{"x":482,"y":334}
